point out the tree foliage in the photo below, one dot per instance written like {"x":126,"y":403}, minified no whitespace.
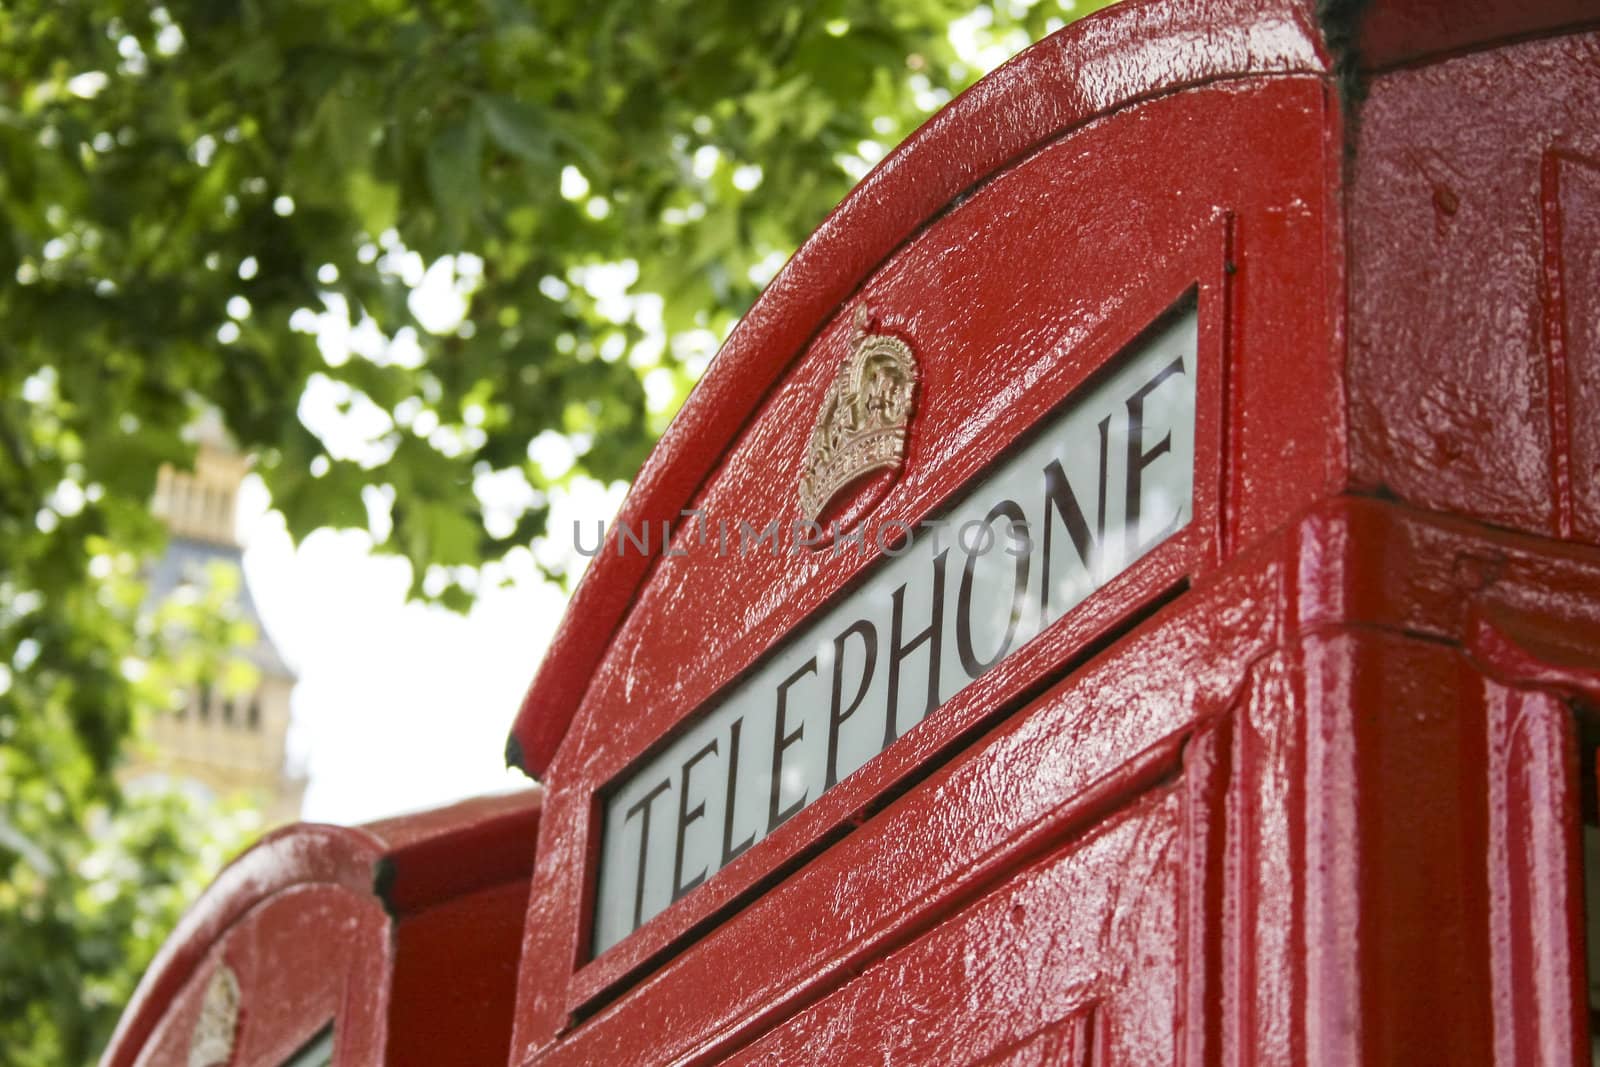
{"x":189,"y":191}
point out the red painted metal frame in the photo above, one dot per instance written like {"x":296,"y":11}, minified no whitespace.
{"x":1397,"y":32}
{"x":1279,"y":121}
{"x":1314,"y":674}
{"x":1049,"y":355}
{"x":311,"y":903}
{"x":1469,"y":364}
{"x":1138,"y":98}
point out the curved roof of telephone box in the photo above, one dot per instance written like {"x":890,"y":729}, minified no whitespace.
{"x":1132,"y":51}
{"x":408,"y":862}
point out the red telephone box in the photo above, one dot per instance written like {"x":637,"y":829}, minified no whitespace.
{"x":1129,"y":591}
{"x":392,"y":943}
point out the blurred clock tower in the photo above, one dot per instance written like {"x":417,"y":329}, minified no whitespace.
{"x":222,"y":743}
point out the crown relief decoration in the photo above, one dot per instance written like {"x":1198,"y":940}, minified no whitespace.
{"x":865,"y":414}
{"x":212,"y":1041}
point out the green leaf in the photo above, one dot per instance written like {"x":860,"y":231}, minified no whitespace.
{"x":454,"y":159}
{"x":443,"y":535}
{"x":347,"y":121}
{"x":518,"y":128}
{"x":375,"y":204}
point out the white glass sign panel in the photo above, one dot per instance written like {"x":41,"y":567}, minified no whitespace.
{"x":1096,"y":486}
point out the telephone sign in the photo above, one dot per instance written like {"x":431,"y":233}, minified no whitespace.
{"x":1101,"y":483}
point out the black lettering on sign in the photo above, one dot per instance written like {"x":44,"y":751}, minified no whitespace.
{"x":729,"y":849}
{"x":1059,"y":497}
{"x":781,"y":741}
{"x":643,"y":805}
{"x":837,"y":711}
{"x":1139,"y":458}
{"x":1011,"y":511}
{"x":687,"y":815}
{"x":899,"y":649}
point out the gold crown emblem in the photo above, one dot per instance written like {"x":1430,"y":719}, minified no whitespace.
{"x":864,"y":416}
{"x":212,"y":1041}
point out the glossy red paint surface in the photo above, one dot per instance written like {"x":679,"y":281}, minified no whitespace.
{"x":1108,"y":991}
{"x":1394,"y":32}
{"x":1331,"y":706}
{"x":310,"y":956}
{"x":354,"y":927}
{"x":455,"y":979}
{"x":1022,"y":339}
{"x":1301,"y":785}
{"x":983,"y":297}
{"x":1473,"y":358}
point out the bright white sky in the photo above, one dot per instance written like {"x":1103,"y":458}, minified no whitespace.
{"x":401,"y":706}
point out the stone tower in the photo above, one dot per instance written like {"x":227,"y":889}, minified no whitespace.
{"x":225,"y":744}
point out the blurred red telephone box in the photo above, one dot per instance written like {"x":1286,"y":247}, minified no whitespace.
{"x":392,"y":943}
{"x":1128,"y":592}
